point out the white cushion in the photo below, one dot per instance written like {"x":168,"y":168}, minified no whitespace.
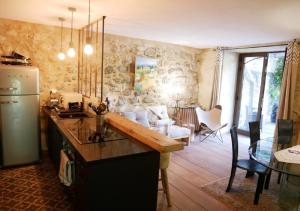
{"x":138,"y":108}
{"x":142,"y":118}
{"x":130,"y":115}
{"x":160,"y":110}
{"x":124,"y":108}
{"x":138,"y":116}
{"x":175,"y":131}
{"x":152,"y":117}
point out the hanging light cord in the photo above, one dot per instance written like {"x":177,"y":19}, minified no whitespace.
{"x":89,"y":18}
{"x":72,"y":28}
{"x":61,"y":34}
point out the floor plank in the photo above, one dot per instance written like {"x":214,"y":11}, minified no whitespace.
{"x":197,"y":165}
{"x":195,"y":194}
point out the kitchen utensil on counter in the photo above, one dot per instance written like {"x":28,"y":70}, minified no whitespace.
{"x":101,"y":126}
{"x":53,"y":100}
{"x":75,"y":106}
{"x":67,"y":97}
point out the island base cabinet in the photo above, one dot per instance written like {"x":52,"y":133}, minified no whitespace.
{"x":54,"y":142}
{"x":124,"y":183}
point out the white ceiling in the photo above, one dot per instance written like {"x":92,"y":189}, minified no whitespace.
{"x":197,"y":23}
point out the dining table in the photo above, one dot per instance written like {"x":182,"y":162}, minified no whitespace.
{"x":285,"y":161}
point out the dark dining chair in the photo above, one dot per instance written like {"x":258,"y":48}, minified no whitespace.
{"x":284,"y":136}
{"x":246,"y":164}
{"x":254,"y":130}
{"x":284,"y":131}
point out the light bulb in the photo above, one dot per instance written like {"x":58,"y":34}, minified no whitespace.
{"x":88,"y":49}
{"x":71,"y":52}
{"x":61,"y":56}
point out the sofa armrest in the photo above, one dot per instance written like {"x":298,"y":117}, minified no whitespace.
{"x":162,"y":122}
{"x":178,"y":121}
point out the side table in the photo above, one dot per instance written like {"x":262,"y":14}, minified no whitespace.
{"x":187,"y":115}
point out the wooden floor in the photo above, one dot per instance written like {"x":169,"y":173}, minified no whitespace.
{"x":196,"y":166}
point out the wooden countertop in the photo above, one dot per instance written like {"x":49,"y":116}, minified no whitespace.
{"x":149,"y":137}
{"x":137,"y":139}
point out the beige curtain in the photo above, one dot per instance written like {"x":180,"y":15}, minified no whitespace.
{"x":289,"y":79}
{"x":215,"y":97}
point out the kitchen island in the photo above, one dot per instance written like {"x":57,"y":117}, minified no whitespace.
{"x":120,"y":173}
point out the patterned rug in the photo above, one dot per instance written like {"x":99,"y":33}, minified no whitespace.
{"x":242,"y":192}
{"x":34,"y":187}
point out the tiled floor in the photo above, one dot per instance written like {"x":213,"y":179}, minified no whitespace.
{"x":34,"y":187}
{"x":37,"y":187}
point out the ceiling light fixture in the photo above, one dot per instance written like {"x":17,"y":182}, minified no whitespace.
{"x":71,"y":51}
{"x":88,"y":48}
{"x":61,"y":56}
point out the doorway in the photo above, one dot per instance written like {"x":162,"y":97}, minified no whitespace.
{"x":258,"y":90}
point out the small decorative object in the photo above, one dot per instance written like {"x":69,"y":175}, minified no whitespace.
{"x":177,"y":91}
{"x":107,"y":103}
{"x":15,"y":59}
{"x":289,"y":155}
{"x":145,"y":72}
{"x":53,"y":100}
{"x":297,"y":152}
{"x":100,"y":110}
{"x":61,"y":56}
{"x":71,"y":51}
{"x":101,"y":126}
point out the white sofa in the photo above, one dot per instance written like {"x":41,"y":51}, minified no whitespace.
{"x":156,"y":118}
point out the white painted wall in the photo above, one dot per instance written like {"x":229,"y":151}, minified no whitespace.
{"x":207,"y":63}
{"x":228,"y":87}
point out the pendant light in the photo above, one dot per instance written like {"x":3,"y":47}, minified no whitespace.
{"x":71,"y":51}
{"x":88,"y":48}
{"x":61,"y":56}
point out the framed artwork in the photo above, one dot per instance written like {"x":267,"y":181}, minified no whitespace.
{"x":145,"y":72}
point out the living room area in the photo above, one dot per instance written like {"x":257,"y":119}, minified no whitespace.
{"x":210,"y":87}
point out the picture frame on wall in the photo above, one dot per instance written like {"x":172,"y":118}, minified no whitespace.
{"x":145,"y":72}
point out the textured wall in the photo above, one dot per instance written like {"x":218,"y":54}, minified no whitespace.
{"x":178,"y":66}
{"x":205,"y":77}
{"x":228,"y":87}
{"x":41,"y":43}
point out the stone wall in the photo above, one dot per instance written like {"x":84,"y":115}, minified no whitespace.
{"x":41,"y":43}
{"x":178,"y":66}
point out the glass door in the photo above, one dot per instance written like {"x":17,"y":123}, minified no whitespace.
{"x":271,"y":93}
{"x":258,"y":89}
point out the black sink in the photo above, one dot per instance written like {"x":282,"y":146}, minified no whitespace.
{"x":73,"y":115}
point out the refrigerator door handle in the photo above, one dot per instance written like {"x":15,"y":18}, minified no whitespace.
{"x":8,"y":88}
{"x":8,"y":102}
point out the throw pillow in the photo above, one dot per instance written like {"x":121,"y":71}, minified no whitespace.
{"x":152,"y":117}
{"x":130,"y":115}
{"x":142,"y":118}
{"x":161,"y":111}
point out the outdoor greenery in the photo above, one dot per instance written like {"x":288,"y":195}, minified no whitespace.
{"x":275,"y":80}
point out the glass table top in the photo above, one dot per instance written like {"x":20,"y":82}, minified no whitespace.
{"x":263,"y":152}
